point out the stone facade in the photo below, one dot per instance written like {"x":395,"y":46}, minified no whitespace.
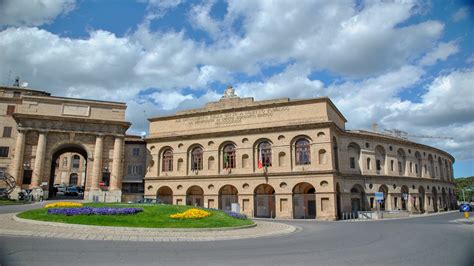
{"x":134,"y":168}
{"x":70,"y":169}
{"x":289,"y":159}
{"x":46,"y":127}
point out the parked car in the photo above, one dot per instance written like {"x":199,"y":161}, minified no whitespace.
{"x":71,"y":191}
{"x":462,"y":207}
{"x":61,"y":188}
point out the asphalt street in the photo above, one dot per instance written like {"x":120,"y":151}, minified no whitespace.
{"x":431,"y":240}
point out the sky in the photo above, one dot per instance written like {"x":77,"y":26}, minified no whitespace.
{"x":406,"y":65}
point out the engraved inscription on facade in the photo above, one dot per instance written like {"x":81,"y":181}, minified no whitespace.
{"x":77,"y":110}
{"x":232,"y":118}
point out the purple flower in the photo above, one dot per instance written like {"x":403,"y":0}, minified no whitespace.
{"x":94,"y":211}
{"x":236,"y":215}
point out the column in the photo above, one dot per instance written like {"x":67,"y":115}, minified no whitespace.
{"x":116,"y":175}
{"x":97,"y":166}
{"x":410,"y":205}
{"x":39,"y":160}
{"x":17,"y":164}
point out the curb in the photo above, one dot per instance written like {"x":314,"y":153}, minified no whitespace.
{"x":399,"y":218}
{"x":124,"y":228}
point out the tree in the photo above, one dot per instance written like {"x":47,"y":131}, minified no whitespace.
{"x":466,"y":184}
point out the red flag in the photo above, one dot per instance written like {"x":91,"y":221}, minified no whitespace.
{"x":259,"y":164}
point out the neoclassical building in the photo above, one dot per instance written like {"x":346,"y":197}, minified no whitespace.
{"x":40,"y":130}
{"x":289,"y":159}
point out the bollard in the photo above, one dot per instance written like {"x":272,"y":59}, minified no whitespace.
{"x":466,"y":215}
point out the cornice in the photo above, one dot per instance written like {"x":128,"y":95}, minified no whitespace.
{"x":240,"y":132}
{"x":236,"y":176}
{"x":56,"y":99}
{"x":257,"y":105}
{"x":410,"y":178}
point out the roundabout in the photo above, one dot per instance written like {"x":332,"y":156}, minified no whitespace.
{"x":290,"y":242}
{"x":137,"y":227}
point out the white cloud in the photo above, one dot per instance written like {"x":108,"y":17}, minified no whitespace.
{"x":200,"y":18}
{"x":32,"y":12}
{"x":440,"y":53}
{"x":292,"y":82}
{"x":461,"y":14}
{"x":369,"y":47}
{"x":334,"y":36}
{"x":170,"y":100}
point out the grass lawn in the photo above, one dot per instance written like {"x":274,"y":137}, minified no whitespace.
{"x":153,"y":216}
{"x":11,"y":202}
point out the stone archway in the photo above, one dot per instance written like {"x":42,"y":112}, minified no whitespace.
{"x":228,"y":194}
{"x":304,"y":201}
{"x":195,"y":196}
{"x":434,"y":194}
{"x":57,"y":151}
{"x":43,"y":136}
{"x":165,"y":195}
{"x":264,"y":200}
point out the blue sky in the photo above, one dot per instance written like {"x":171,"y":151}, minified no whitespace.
{"x":407,"y":65}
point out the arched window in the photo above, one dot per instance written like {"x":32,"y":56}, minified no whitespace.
{"x":167,"y":161}
{"x":229,"y":156}
{"x":196,"y":159}
{"x":265,"y":153}
{"x":76,"y":161}
{"x":379,"y":159}
{"x":302,"y":152}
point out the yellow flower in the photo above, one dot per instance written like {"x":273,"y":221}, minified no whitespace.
{"x":191,"y":214}
{"x":63,"y":204}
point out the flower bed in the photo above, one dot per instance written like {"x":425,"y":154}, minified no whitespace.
{"x":63,"y":204}
{"x":236,"y":215}
{"x":191,"y":214}
{"x":94,"y":211}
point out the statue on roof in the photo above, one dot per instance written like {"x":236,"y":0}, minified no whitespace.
{"x":229,"y":93}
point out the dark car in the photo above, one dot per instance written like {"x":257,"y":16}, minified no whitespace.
{"x":71,"y":191}
{"x":465,"y":207}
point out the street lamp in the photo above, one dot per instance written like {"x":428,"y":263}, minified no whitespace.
{"x":26,"y":165}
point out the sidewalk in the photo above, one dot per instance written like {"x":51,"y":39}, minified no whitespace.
{"x":12,"y":225}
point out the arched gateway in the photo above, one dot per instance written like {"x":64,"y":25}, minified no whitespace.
{"x":51,"y":126}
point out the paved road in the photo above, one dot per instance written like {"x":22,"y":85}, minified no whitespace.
{"x":432,"y":240}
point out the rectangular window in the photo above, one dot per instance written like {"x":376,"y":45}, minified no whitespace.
{"x":7,"y":132}
{"x":352,"y":161}
{"x":391,"y":165}
{"x":27,"y":177}
{"x":400,"y":168}
{"x":371,"y":202}
{"x":129,"y":169}
{"x":395,"y":202}
{"x":136,"y":151}
{"x":4,"y":151}
{"x":10,"y":109}
{"x":16,"y":94}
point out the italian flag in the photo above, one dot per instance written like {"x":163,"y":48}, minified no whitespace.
{"x":226,"y":161}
